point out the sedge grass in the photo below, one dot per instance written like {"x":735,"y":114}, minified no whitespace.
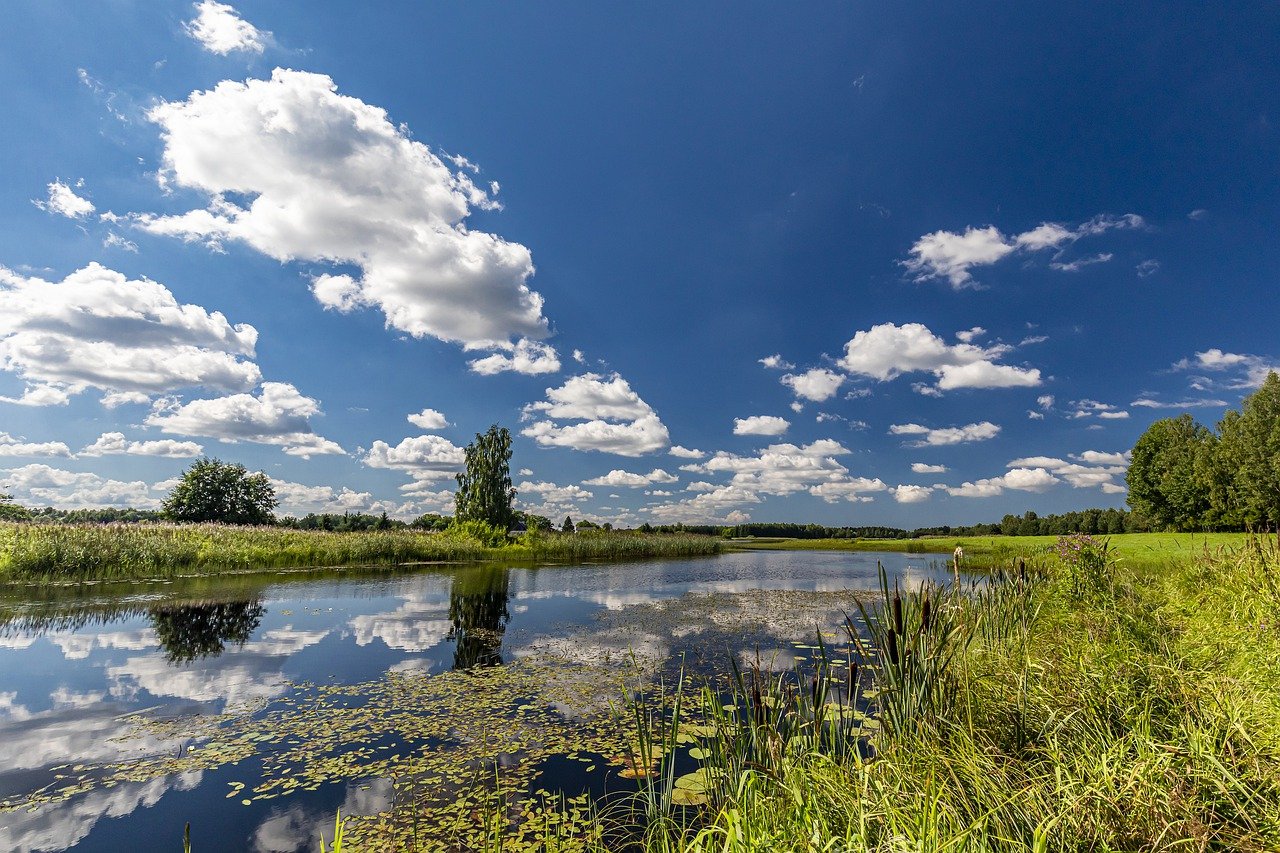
{"x":1145,"y":717}
{"x":79,"y":552}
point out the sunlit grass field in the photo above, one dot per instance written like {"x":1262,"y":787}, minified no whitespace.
{"x":989,"y":551}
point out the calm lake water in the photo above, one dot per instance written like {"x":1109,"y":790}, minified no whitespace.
{"x":256,"y":707}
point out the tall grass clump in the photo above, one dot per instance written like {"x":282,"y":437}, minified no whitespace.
{"x":76,"y":552}
{"x":118,"y":551}
{"x":1095,"y":707}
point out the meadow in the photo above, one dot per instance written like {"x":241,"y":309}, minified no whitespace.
{"x":104,"y":552}
{"x":986,"y":552}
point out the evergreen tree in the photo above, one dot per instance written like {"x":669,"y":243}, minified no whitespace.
{"x":484,"y":489}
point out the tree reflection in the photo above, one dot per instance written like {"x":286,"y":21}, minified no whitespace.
{"x":478,"y":611}
{"x":192,"y":631}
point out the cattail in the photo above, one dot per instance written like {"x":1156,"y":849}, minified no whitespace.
{"x":897,"y":612}
{"x":924,"y":615}
{"x":853,"y":678}
{"x":813,"y":690}
{"x":893,"y":646}
{"x":757,"y":706}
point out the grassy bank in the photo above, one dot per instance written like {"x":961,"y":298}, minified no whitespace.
{"x":1099,"y":706}
{"x":984,"y":552}
{"x":70,"y":552}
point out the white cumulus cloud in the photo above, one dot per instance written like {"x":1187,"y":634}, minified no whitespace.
{"x":114,"y":443}
{"x":527,"y":357}
{"x":220,"y":29}
{"x":98,"y":329}
{"x":887,"y":351}
{"x":63,"y":201}
{"x":614,"y":419}
{"x":930,"y":437}
{"x":428,"y":419}
{"x":817,"y":384}
{"x":618,"y":477}
{"x":332,"y":180}
{"x":279,"y":415}
{"x":760,"y":425}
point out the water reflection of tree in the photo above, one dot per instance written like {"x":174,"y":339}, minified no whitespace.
{"x":191,"y":631}
{"x":478,"y":611}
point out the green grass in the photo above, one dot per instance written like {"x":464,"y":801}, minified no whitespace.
{"x":1139,"y":713}
{"x":988,"y":551}
{"x":74,"y":552}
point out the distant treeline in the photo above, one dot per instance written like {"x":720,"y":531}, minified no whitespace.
{"x":1092,"y":521}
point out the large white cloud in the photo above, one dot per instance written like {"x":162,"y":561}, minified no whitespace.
{"x":760,"y":425}
{"x":614,"y":418}
{"x":331,"y":179}
{"x":426,"y":457}
{"x":98,"y":329}
{"x":279,"y":415}
{"x":220,"y":29}
{"x":930,"y":437}
{"x":888,"y":350}
{"x":951,"y":256}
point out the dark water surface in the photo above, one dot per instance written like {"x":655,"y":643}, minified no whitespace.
{"x":126,"y":676}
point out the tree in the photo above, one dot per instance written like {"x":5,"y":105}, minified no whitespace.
{"x":567,"y":527}
{"x":484,"y":489}
{"x":213,"y":490}
{"x":1161,"y":477}
{"x":1250,"y":448}
{"x":10,"y":511}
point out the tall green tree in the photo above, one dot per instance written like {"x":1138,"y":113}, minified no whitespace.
{"x":1161,"y":478}
{"x":213,"y":490}
{"x":484,"y":489}
{"x":1250,"y":449}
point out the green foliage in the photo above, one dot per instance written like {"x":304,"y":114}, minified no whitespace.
{"x":1184,"y":477}
{"x":1088,"y":563}
{"x":223,"y":492}
{"x":1250,"y":448}
{"x":568,"y":526}
{"x":10,"y":511}
{"x":484,"y":489}
{"x":489,"y":535}
{"x":431,"y":521}
{"x":343,"y":522}
{"x":1161,"y":477}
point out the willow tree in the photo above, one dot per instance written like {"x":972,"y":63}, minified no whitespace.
{"x":484,"y":489}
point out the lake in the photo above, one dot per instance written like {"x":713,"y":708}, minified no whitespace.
{"x":256,"y":707}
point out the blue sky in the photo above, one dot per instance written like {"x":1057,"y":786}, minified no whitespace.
{"x":872,"y":264}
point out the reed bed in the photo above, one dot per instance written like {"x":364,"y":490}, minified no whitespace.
{"x":73,"y":552}
{"x":1033,"y":712}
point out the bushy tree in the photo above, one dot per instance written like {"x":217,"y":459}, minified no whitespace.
{"x":1250,"y":449}
{"x":10,"y":511}
{"x":213,"y":490}
{"x":567,"y":527}
{"x":484,"y":489}
{"x":1161,"y":477}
